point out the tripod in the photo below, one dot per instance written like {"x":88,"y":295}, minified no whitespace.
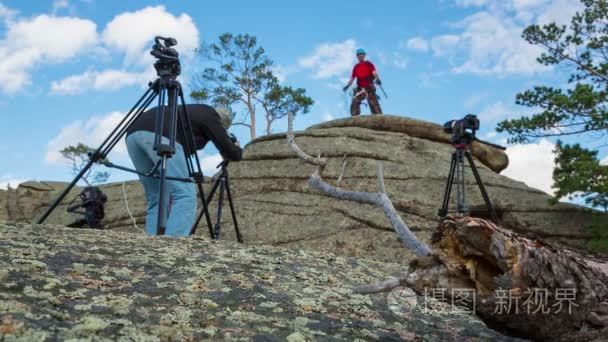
{"x":164,"y":88}
{"x":457,"y":168}
{"x":224,"y":185}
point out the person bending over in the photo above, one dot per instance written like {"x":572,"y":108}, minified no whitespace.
{"x":365,"y":73}
{"x":208,"y":124}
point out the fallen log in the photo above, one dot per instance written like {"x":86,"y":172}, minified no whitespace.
{"x":517,"y":285}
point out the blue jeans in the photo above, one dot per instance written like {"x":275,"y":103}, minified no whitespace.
{"x":182,"y":195}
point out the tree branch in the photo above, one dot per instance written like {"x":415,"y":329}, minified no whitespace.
{"x":340,"y":178}
{"x":380,"y":286}
{"x":241,"y":124}
{"x":320,"y":162}
{"x":378,"y":199}
{"x":381,"y":187}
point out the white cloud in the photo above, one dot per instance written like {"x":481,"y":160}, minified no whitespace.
{"x":490,"y":135}
{"x":91,"y":132}
{"x":427,"y":80}
{"x":327,"y":116}
{"x":493,"y":46}
{"x":209,"y":164}
{"x":7,"y":180}
{"x":281,"y":72}
{"x":38,"y":40}
{"x":395,"y":59}
{"x":131,"y":33}
{"x":418,"y":44}
{"x":7,"y":14}
{"x":60,"y":4}
{"x":444,"y":44}
{"x":475,"y":99}
{"x":472,"y":3}
{"x":500,"y":111}
{"x":495,"y":112}
{"x":532,"y":164}
{"x":489,"y":42}
{"x":330,"y":59}
{"x":399,"y":61}
{"x":604,"y":161}
{"x":30,"y":42}
{"x":560,"y":11}
{"x":107,"y":80}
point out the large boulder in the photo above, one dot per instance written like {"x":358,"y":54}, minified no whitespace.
{"x":275,"y":205}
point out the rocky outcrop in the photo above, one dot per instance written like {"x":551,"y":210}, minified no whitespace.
{"x":72,"y":284}
{"x":278,"y":206}
{"x":275,"y":205}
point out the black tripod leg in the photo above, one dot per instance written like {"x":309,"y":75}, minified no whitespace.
{"x":185,"y":127}
{"x":206,"y":212}
{"x":162,"y":216}
{"x":104,"y":147}
{"x":448,"y":188}
{"x":218,"y":224}
{"x":482,"y":188}
{"x":239,"y":237}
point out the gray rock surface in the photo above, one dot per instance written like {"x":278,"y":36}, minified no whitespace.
{"x":60,"y":284}
{"x":275,"y":205}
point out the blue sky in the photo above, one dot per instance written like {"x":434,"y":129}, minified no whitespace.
{"x":70,"y":68}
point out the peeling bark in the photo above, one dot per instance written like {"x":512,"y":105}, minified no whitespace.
{"x":521,"y":286}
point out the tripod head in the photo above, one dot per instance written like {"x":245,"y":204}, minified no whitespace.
{"x":168,"y":58}
{"x":463,"y":132}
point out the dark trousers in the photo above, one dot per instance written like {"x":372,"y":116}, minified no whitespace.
{"x":372,"y":101}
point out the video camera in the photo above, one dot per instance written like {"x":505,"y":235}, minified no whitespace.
{"x":463,"y":130}
{"x":168,"y":58}
{"x":93,"y":200}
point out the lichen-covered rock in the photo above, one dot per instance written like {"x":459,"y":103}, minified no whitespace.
{"x":275,"y":205}
{"x":59,"y":284}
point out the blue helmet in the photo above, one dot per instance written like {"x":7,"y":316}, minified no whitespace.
{"x":360,"y":51}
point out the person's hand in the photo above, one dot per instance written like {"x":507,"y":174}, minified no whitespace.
{"x":378,"y":82}
{"x":345,"y":88}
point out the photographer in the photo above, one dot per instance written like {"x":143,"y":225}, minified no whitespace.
{"x":208,"y":124}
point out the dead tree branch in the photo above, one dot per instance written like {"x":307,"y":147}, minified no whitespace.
{"x":376,"y":198}
{"x":320,"y":162}
{"x":556,"y":294}
{"x":341,"y":177}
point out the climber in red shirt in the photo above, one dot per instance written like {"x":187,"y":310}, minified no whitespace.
{"x":365,"y":73}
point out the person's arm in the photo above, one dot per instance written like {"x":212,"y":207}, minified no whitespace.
{"x":220,"y":138}
{"x":376,"y":76}
{"x":375,"y":73}
{"x":350,"y":82}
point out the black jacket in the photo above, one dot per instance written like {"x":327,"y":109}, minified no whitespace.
{"x":206,"y":126}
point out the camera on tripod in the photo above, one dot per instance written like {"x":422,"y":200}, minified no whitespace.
{"x":168,"y":58}
{"x":462,"y":130}
{"x":93,"y":201}
{"x":169,"y":123}
{"x":463,"y":134}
